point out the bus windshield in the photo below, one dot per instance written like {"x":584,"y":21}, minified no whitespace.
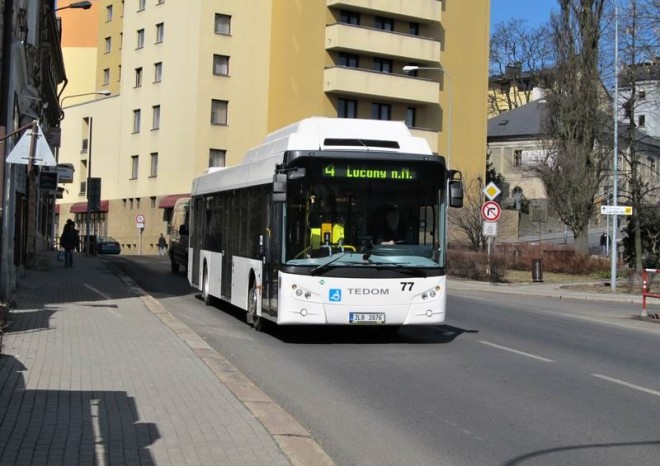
{"x":359,"y":213}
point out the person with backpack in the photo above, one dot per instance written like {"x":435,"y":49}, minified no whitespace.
{"x":69,"y":241}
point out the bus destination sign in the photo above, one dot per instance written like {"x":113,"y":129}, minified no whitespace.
{"x":359,"y":172}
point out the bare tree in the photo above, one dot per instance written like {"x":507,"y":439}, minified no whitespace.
{"x":468,"y":219}
{"x":574,"y":166}
{"x":639,"y":99}
{"x":520,"y":58}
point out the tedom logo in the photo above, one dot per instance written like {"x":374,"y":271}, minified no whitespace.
{"x":334,"y":295}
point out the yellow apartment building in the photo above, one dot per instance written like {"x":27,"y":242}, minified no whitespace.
{"x":196,"y":84}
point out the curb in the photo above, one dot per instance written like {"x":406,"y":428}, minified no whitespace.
{"x":294,"y":440}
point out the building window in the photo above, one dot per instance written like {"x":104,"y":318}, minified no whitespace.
{"x":106,"y":76}
{"x":517,"y":157}
{"x":349,"y":17}
{"x":413,"y":29}
{"x":221,"y":65}
{"x":153,"y":171}
{"x":140,"y":38}
{"x":222,"y":24}
{"x":138,"y":77}
{"x":380,"y":111}
{"x":136,"y":120}
{"x":350,"y":60}
{"x":142,"y":4}
{"x":347,"y":108}
{"x":160,"y":32}
{"x":641,"y":121}
{"x":385,"y":24}
{"x":108,"y":44}
{"x":158,"y":72}
{"x":217,"y":157}
{"x":152,"y":202}
{"x":219,"y":112}
{"x":155,"y":123}
{"x":118,"y":72}
{"x":411,"y":117}
{"x":641,"y":95}
{"x":383,"y":65}
{"x":134,"y":170}
{"x":121,"y":40}
{"x":108,"y":13}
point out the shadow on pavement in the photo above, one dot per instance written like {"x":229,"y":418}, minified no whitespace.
{"x":68,"y":427}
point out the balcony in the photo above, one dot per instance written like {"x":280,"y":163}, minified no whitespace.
{"x":345,"y":37}
{"x":375,"y":85}
{"x":427,"y":11}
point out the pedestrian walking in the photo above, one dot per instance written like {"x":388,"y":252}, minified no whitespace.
{"x":604,"y":239}
{"x":69,"y":241}
{"x":162,"y":245}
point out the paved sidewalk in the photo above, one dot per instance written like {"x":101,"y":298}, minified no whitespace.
{"x":547,"y":290}
{"x":94,"y":373}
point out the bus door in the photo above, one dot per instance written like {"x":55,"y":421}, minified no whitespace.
{"x":196,"y":238}
{"x":231,"y":228}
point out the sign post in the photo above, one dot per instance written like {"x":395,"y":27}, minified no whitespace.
{"x":139,"y":220}
{"x":490,"y":212}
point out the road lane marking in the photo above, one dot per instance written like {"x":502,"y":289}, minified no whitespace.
{"x":627,"y":384}
{"x":511,"y":350}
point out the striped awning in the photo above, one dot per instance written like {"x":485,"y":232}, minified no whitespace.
{"x":169,"y":201}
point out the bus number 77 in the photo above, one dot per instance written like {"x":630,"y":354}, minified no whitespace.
{"x":406,"y":284}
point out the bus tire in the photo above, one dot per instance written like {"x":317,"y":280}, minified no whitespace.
{"x":253,"y":319}
{"x":174,"y":266}
{"x":206,"y":295}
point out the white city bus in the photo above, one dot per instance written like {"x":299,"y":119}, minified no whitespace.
{"x":294,"y":234}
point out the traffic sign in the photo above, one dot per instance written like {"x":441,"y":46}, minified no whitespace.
{"x":491,"y":211}
{"x":616,"y":210}
{"x":490,"y":228}
{"x":139,"y":218}
{"x":492,"y":191}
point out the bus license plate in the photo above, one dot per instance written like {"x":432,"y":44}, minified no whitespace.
{"x":366,"y":317}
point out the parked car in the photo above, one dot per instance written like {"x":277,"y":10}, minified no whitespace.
{"x":107,"y":245}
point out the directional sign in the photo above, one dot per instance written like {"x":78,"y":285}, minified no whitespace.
{"x":491,"y":211}
{"x":616,"y":210}
{"x":492,"y":191}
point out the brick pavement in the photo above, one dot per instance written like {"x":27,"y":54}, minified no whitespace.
{"x":89,"y":375}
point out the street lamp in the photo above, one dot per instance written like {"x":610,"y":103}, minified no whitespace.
{"x":449,"y":119}
{"x":103,"y":92}
{"x":79,"y":5}
{"x":615,"y":163}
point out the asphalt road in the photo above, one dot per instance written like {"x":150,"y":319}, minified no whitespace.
{"x":510,"y":380}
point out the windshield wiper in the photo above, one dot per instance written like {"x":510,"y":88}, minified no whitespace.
{"x":322,"y":267}
{"x":402,"y":266}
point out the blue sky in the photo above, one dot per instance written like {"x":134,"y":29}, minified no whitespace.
{"x":534,"y":12}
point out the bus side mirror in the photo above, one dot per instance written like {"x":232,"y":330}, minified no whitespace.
{"x":455,"y":193}
{"x":279,"y":187}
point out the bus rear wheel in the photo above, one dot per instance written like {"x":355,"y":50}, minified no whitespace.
{"x":256,"y":321}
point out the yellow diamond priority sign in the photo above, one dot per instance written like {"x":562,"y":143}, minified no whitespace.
{"x":491,"y":191}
